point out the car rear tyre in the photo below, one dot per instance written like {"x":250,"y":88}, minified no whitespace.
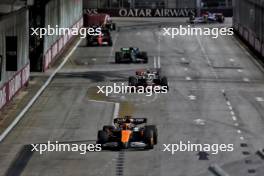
{"x":132,"y":81}
{"x":144,"y":56}
{"x":149,"y":138}
{"x":164,"y":82}
{"x":155,"y":132}
{"x":145,"y":60}
{"x":220,"y":19}
{"x":102,"y":137}
{"x":110,"y":43}
{"x":191,"y":18}
{"x":118,"y":57}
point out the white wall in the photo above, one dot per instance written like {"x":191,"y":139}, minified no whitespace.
{"x":15,"y":24}
{"x":63,"y":13}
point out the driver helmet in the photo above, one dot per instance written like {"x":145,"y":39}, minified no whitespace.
{"x":125,"y":126}
{"x":127,"y":119}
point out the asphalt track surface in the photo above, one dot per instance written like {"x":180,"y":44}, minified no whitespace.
{"x":216,"y":96}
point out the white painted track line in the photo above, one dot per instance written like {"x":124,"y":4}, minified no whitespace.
{"x":159,"y":62}
{"x":116,"y":112}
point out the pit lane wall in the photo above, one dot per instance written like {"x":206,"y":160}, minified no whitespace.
{"x":13,"y":25}
{"x":64,"y":14}
{"x":248,"y":22}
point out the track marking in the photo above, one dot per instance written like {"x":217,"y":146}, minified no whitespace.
{"x":245,"y":79}
{"x":243,"y":145}
{"x":185,"y":69}
{"x":199,"y":121}
{"x":120,"y":163}
{"x":251,"y":171}
{"x":192,"y":97}
{"x":158,"y":62}
{"x":155,"y":65}
{"x":206,"y":56}
{"x":112,"y":48}
{"x":239,"y":70}
{"x":37,"y":95}
{"x":259,"y":99}
{"x":159,"y":40}
{"x":232,"y":60}
{"x":98,"y":101}
{"x":116,"y":111}
{"x":188,"y":78}
{"x":246,"y":153}
{"x":233,"y":115}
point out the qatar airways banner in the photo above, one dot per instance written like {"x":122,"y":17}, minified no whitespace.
{"x":179,"y":12}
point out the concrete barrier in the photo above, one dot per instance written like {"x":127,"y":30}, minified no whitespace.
{"x":56,"y":48}
{"x":245,"y":35}
{"x":262,"y":46}
{"x":250,"y":39}
{"x":257,"y":45}
{"x":241,"y":29}
{"x":11,"y":87}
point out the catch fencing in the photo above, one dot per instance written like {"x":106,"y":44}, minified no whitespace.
{"x":248,"y":21}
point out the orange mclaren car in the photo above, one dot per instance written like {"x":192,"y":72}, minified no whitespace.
{"x":128,"y":133}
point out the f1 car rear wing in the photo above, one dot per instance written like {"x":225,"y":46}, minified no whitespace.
{"x":135,"y":121}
